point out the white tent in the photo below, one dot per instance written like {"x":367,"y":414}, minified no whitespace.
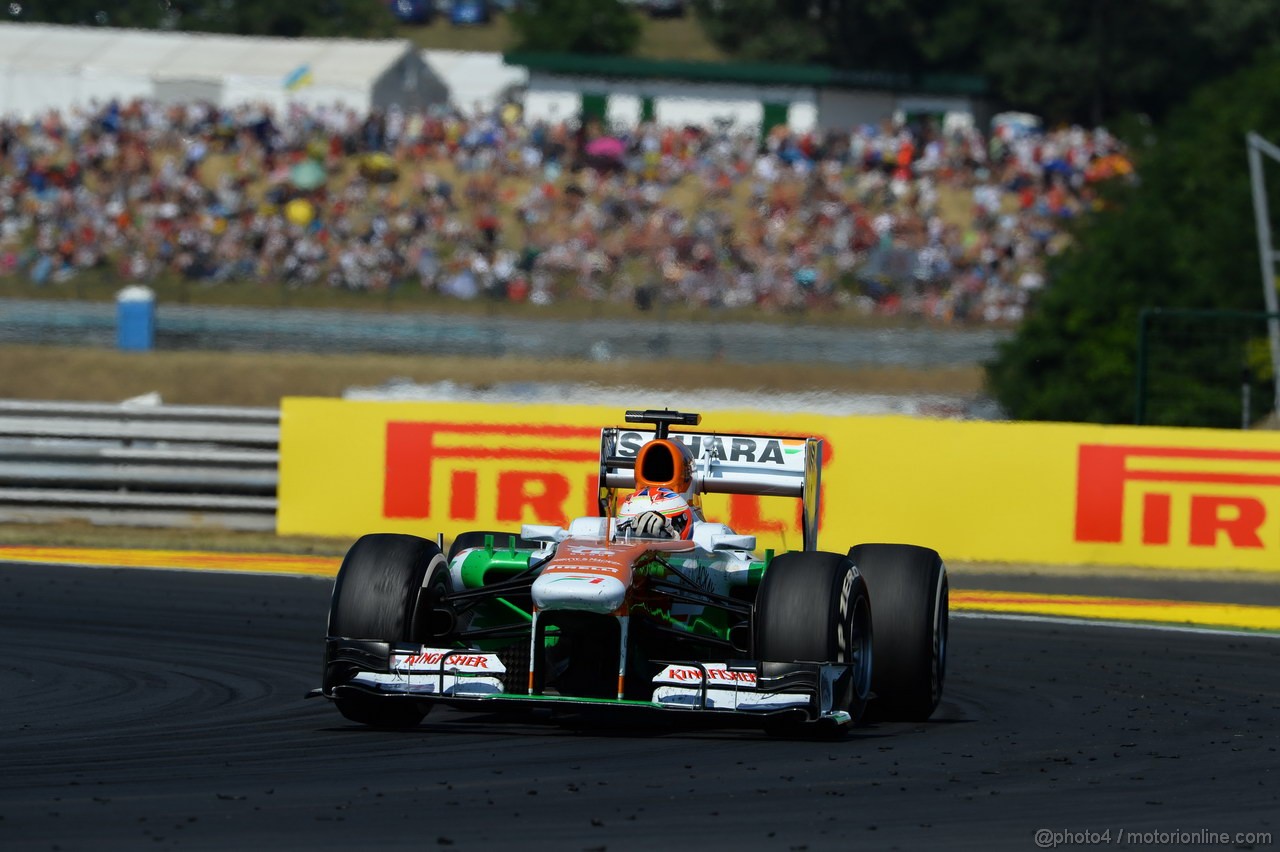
{"x":46,"y":67}
{"x":477,"y":81}
{"x":124,"y":68}
{"x":38,"y":70}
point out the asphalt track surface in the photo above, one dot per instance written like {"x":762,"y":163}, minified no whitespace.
{"x":153,"y":710}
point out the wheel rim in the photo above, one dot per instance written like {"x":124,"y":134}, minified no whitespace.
{"x":940,"y":640}
{"x":423,"y":618}
{"x":859,"y":648}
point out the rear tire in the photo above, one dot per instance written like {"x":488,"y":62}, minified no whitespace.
{"x":910,"y":588}
{"x":814,"y":607}
{"x":386,"y":590}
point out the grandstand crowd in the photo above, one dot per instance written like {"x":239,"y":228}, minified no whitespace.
{"x":892,"y":219}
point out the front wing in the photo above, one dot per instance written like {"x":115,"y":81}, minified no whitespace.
{"x":466,"y":679}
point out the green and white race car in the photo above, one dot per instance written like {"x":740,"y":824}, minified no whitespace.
{"x":597,"y":618}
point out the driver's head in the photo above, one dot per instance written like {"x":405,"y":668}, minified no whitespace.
{"x":655,"y":512}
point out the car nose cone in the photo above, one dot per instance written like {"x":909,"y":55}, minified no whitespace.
{"x":579,"y":592}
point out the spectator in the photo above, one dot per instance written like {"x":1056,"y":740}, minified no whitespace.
{"x":894,"y":220}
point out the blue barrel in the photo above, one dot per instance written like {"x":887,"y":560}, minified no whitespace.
{"x":136,"y":319}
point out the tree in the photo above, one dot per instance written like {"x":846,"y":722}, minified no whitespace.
{"x":1072,"y":60}
{"x":1183,"y":238}
{"x":1090,"y":60}
{"x":320,"y":19}
{"x":882,"y":35}
{"x":323,"y":18}
{"x":577,"y":26}
{"x":762,"y":30}
{"x":144,"y":14}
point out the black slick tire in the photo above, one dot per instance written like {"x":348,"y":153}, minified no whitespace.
{"x":386,"y":590}
{"x":814,"y":607}
{"x":908,"y":585}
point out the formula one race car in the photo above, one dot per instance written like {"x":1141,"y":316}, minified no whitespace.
{"x":603,"y":616}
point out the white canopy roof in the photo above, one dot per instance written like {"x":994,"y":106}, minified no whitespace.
{"x":475,"y":79}
{"x":59,"y":56}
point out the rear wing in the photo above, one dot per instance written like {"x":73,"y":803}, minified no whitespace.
{"x":765,"y":465}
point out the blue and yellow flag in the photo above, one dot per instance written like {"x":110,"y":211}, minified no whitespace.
{"x":298,"y":77}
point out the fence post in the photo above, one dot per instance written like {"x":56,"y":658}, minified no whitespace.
{"x":1140,"y":388}
{"x":1257,"y":147}
{"x":1246,"y":398}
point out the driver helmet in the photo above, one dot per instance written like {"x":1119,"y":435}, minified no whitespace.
{"x":656,"y":512}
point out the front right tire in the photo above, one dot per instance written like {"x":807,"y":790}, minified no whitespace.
{"x":386,"y":590}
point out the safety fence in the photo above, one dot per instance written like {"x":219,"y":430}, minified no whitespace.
{"x":137,"y":464}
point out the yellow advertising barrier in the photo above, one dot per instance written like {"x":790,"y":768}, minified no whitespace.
{"x":1010,"y":492}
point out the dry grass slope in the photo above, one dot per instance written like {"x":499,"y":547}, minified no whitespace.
{"x":240,"y":378}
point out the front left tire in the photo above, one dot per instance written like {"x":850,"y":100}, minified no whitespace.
{"x":814,"y":607}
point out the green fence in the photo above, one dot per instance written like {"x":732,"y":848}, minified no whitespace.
{"x":1204,"y":368}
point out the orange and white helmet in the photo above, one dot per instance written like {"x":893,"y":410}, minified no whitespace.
{"x":656,"y":512}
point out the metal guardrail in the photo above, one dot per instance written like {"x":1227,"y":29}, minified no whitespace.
{"x":262,"y":329}
{"x":137,"y":464}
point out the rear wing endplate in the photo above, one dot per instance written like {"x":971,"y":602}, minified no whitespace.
{"x":764,"y":465}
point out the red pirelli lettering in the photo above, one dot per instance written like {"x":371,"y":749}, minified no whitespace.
{"x":1104,"y":470}
{"x":1241,"y":520}
{"x":414,"y":449}
{"x":462,"y":495}
{"x":1156,"y":511}
{"x":542,"y":492}
{"x":407,"y":483}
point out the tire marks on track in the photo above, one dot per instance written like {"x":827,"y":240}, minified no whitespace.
{"x":164,"y":710}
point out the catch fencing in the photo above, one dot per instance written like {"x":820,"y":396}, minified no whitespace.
{"x":141,"y":465}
